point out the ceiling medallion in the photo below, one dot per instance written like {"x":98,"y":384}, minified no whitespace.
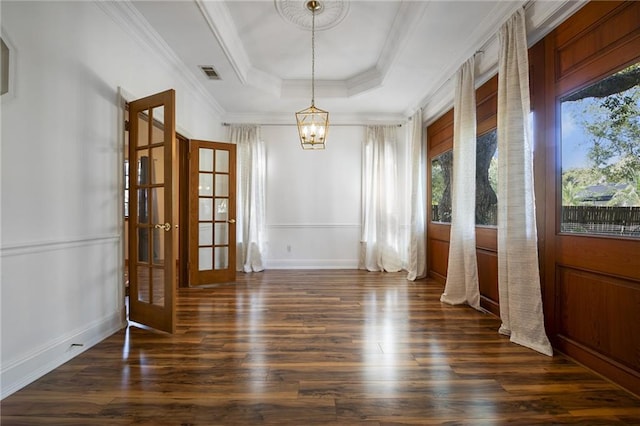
{"x":297,"y":13}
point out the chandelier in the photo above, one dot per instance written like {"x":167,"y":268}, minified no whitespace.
{"x":313,"y":123}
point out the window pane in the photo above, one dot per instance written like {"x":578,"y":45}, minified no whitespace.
{"x":441,"y":174}
{"x":222,"y":185}
{"x":206,"y":185}
{"x":221,"y":233}
{"x":206,"y":160}
{"x":205,"y":234}
{"x":157,"y":286}
{"x":221,"y":260}
{"x":221,"y":212}
{"x":157,"y":165}
{"x":205,"y":259}
{"x":601,"y":157}
{"x":487,"y":179}
{"x":126,"y":188}
{"x":157,"y":130}
{"x":144,"y":292}
{"x":205,"y":212}
{"x":222,"y":161}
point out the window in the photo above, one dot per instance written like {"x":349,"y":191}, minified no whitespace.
{"x":486,"y":182}
{"x":601,"y":157}
{"x":487,"y":179}
{"x":441,"y":176}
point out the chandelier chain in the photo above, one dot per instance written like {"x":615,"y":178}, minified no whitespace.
{"x":313,"y":56}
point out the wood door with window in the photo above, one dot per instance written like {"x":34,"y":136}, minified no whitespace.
{"x":212,"y":212}
{"x":152,"y":217}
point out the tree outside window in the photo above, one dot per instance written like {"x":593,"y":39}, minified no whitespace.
{"x":601,"y":156}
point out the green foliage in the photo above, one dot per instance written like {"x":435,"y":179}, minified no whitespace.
{"x":612,"y":124}
{"x":628,"y":197}
{"x":581,"y":177}
{"x":493,"y":172}
{"x":437,"y":182}
{"x":570,"y":193}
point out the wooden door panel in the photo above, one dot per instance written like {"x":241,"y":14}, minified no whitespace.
{"x":151,"y":214}
{"x":212,"y":212}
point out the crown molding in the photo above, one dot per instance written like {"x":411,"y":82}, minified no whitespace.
{"x":406,"y":20}
{"x":125,"y":14}
{"x":219,"y":20}
{"x":541,"y":18}
{"x":336,"y":119}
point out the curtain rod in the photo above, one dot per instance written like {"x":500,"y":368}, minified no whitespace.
{"x":330,"y":124}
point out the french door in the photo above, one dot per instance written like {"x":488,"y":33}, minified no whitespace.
{"x":152,"y":217}
{"x":212,"y":212}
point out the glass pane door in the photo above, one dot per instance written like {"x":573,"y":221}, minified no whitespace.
{"x":212,"y":250}
{"x":151,"y":224}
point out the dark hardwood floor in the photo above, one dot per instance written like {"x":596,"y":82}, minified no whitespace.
{"x":319,"y":347}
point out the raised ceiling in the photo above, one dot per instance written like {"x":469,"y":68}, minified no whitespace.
{"x":375,"y":60}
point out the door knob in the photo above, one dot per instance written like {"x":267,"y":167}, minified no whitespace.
{"x":165,"y":226}
{"x":231,"y":221}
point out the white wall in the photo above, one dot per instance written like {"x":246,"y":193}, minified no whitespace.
{"x":61,"y":233}
{"x":314,"y":198}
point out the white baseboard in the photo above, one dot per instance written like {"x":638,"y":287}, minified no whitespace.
{"x":19,"y":373}
{"x":311,"y":264}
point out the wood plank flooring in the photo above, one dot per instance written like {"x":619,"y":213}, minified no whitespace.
{"x":319,"y":347}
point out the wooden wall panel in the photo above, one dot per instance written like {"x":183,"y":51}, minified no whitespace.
{"x":591,"y":283}
{"x":439,"y":140}
{"x":598,"y":321}
{"x":488,"y":280}
{"x":582,"y":41}
{"x":487,"y":106}
{"x":487,"y":236}
{"x":440,"y":135}
{"x":439,"y":256}
{"x":615,"y":299}
{"x":610,"y":256}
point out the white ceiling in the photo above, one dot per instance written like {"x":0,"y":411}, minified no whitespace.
{"x":383,"y":60}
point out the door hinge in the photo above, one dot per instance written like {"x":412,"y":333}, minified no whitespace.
{"x":126,"y":125}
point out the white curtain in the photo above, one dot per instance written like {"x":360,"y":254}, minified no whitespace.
{"x":250,"y":216}
{"x":462,"y":271}
{"x":417,"y":262}
{"x":518,"y":274}
{"x":380,"y":230}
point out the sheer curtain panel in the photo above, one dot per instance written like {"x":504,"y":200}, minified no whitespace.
{"x":251,"y":203}
{"x":462,"y":270}
{"x":417,"y":262}
{"x":379,"y":241}
{"x":518,"y":274}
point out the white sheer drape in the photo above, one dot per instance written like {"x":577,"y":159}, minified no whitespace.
{"x":250,"y":217}
{"x":417,"y":262}
{"x":380,"y":230}
{"x":518,"y":275}
{"x":462,"y":271}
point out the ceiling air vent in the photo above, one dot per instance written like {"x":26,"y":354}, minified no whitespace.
{"x":210,"y":72}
